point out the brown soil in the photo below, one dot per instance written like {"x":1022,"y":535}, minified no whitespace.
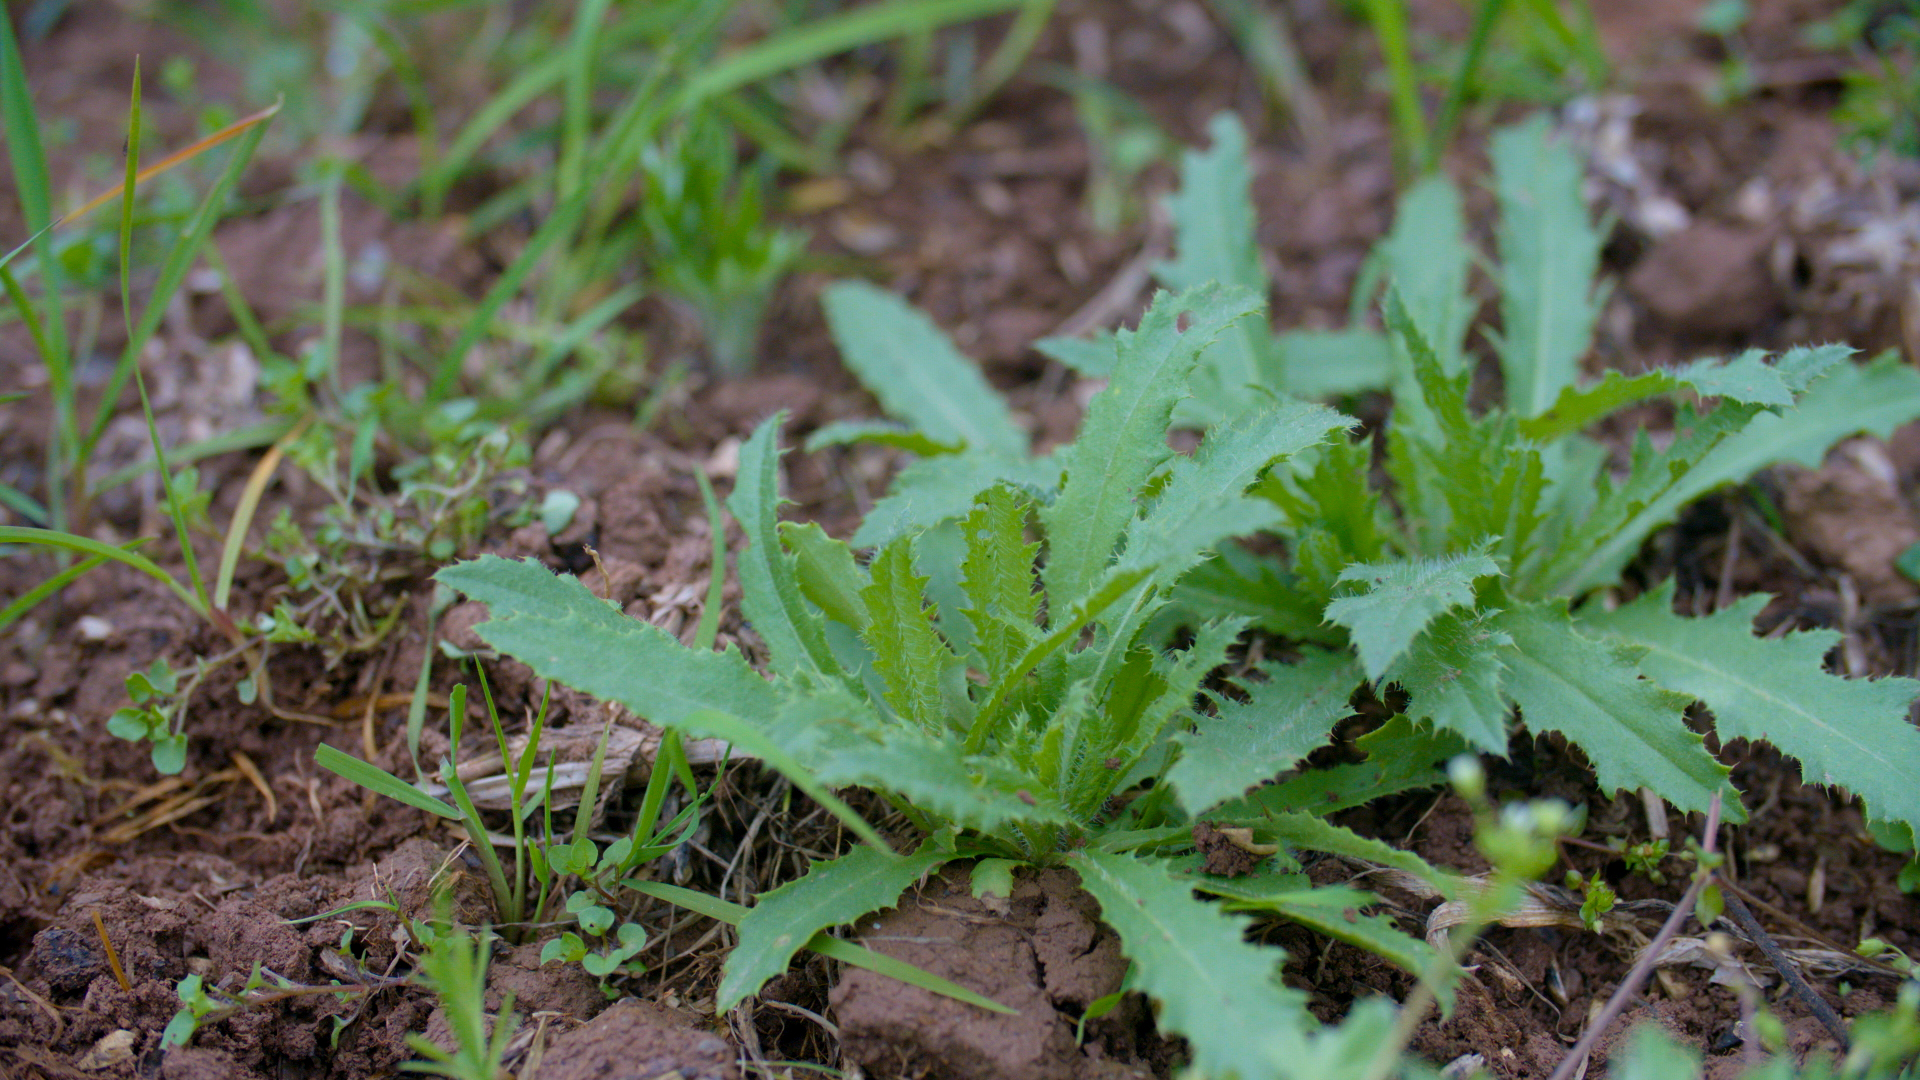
{"x":1739,"y":226}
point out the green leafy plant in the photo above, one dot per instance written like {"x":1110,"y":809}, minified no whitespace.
{"x":1002,"y":702}
{"x":710,"y":246}
{"x":453,"y":964}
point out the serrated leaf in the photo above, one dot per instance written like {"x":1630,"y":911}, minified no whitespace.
{"x":1214,"y":241}
{"x":829,"y":576}
{"x":769,"y":587}
{"x":1402,"y":597}
{"x":1549,"y":253}
{"x":904,"y":360}
{"x":1634,"y":733}
{"x":1400,"y":757}
{"x":1234,"y":454}
{"x":1122,"y":730}
{"x":1874,"y":398}
{"x":1158,"y":558}
{"x":1213,"y":987}
{"x":1283,"y":720}
{"x":933,"y":490}
{"x":1747,"y":378}
{"x":1849,"y":732}
{"x":1123,"y":438}
{"x":970,"y":790}
{"x":997,"y":573}
{"x":1453,"y":671}
{"x":775,"y":745}
{"x":845,"y":952}
{"x":1311,"y":832}
{"x":907,"y":651}
{"x":1427,"y":259}
{"x":832,"y":893}
{"x":878,"y":433}
{"x":565,"y":633}
{"x":1333,"y":912}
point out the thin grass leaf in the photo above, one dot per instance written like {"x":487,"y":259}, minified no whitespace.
{"x":178,"y":262}
{"x":126,"y":201}
{"x":825,"y":37}
{"x":30,"y":599}
{"x":11,"y":534}
{"x":243,"y":512}
{"x":380,"y":781}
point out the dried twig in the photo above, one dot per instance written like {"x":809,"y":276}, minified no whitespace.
{"x":1643,"y":967}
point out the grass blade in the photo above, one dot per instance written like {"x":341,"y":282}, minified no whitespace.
{"x":13,"y":534}
{"x":380,"y":781}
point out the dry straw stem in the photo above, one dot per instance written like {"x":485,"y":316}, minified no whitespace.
{"x":1643,"y":967}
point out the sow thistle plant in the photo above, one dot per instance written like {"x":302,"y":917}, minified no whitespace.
{"x":1001,"y":701}
{"x":1022,"y":666}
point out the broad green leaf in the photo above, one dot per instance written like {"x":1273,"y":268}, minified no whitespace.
{"x":1874,"y":398}
{"x":833,"y":948}
{"x":1090,"y":358}
{"x":831,"y":894}
{"x":1212,"y":986}
{"x":1283,"y":720}
{"x":970,"y":790}
{"x":933,"y":490}
{"x":1400,"y":757}
{"x":1850,"y":732}
{"x":1214,"y":241}
{"x":754,"y":740}
{"x":1454,"y":672}
{"x":1652,"y":1054}
{"x":1123,"y":438}
{"x":904,"y":360}
{"x":1402,"y":597}
{"x":1311,"y":832}
{"x":998,"y":576}
{"x":563,"y":632}
{"x":1549,"y":253}
{"x":878,"y":433}
{"x":1136,"y":711}
{"x":829,"y":577}
{"x":1745,"y":378}
{"x":1592,"y":552}
{"x":1328,"y":363}
{"x":1334,"y":913}
{"x":1633,"y":732}
{"x":1158,"y":558}
{"x":769,"y":586}
{"x":907,"y":652}
{"x":1427,"y":259}
{"x":1234,"y":454}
